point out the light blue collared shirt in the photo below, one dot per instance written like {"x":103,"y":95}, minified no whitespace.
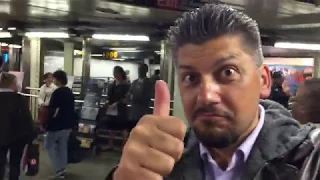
{"x":239,"y":158}
{"x":6,"y":90}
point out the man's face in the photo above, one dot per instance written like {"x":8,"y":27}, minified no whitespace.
{"x":220,"y":86}
{"x":278,"y":81}
{"x":49,"y":79}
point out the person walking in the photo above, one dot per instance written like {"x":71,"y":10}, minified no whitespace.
{"x":62,"y":119}
{"x":16,"y":129}
{"x":45,"y":93}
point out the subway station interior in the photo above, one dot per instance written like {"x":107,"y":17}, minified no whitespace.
{"x":88,"y":38}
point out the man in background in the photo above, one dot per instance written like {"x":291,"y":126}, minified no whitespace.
{"x":141,"y":94}
{"x":277,"y":92}
{"x":156,"y":75}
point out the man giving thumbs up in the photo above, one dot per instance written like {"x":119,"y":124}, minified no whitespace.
{"x":218,"y":56}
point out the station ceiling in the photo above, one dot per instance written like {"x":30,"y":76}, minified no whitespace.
{"x":278,"y":19}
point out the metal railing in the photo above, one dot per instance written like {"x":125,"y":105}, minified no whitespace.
{"x":75,"y":93}
{"x":34,"y":106}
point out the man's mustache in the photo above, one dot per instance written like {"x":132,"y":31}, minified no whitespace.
{"x":211,"y":109}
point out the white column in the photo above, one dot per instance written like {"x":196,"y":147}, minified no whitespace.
{"x":316,"y":66}
{"x":69,"y":58}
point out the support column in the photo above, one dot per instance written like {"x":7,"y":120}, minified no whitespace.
{"x":25,"y":63}
{"x":32,"y":65}
{"x":166,"y":66}
{"x":316,"y":65}
{"x":14,"y":58}
{"x":69,"y":58}
{"x":86,"y":56}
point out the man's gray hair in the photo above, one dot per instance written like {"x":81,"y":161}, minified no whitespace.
{"x":212,"y":21}
{"x":6,"y":80}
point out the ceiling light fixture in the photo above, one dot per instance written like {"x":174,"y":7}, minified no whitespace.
{"x":120,"y":37}
{"x":3,"y":44}
{"x":96,"y":55}
{"x":47,"y":35}
{"x":16,"y":46}
{"x":5,"y":35}
{"x":123,"y":49}
{"x":303,"y":46}
{"x":12,"y":28}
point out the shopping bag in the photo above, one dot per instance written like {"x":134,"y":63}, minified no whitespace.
{"x":43,"y":115}
{"x":31,"y":160}
{"x":112,"y":111}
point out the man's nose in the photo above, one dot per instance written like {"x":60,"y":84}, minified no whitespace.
{"x":209,"y":91}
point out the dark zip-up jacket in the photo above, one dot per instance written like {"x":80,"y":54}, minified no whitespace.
{"x":282,"y":151}
{"x":16,"y":124}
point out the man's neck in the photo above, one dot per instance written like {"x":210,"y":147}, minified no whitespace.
{"x":224,"y":156}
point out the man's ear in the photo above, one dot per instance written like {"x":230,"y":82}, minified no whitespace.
{"x":265,"y":82}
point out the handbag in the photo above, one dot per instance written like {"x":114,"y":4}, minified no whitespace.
{"x":31,"y":160}
{"x":43,"y":114}
{"x":112,"y":111}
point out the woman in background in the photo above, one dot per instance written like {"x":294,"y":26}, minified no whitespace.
{"x":16,"y":129}
{"x":62,"y":119}
{"x":118,"y":102}
{"x":45,"y":93}
{"x":307,"y":102}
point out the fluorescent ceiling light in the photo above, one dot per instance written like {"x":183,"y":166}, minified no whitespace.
{"x":47,"y":35}
{"x":12,"y":29}
{"x":123,"y":49}
{"x":96,"y":55}
{"x":5,"y":35}
{"x":118,"y":59}
{"x":15,"y":46}
{"x":120,"y":37}
{"x":303,"y":46}
{"x":3,"y":44}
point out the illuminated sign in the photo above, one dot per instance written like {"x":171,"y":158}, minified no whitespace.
{"x":6,"y":57}
{"x":112,"y":54}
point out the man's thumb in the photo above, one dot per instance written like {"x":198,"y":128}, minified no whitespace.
{"x":162,"y":99}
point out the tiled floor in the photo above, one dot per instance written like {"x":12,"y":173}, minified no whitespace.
{"x":93,"y":168}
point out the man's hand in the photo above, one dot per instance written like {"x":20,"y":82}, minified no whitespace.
{"x":42,"y":129}
{"x":155,"y":144}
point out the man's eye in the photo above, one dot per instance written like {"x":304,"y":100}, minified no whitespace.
{"x":228,"y":74}
{"x":189,"y":79}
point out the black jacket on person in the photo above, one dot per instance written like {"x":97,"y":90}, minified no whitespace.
{"x":61,"y":110}
{"x":282,"y":151}
{"x":142,"y":90}
{"x":278,"y":95}
{"x":117,"y":93}
{"x":16,"y":124}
